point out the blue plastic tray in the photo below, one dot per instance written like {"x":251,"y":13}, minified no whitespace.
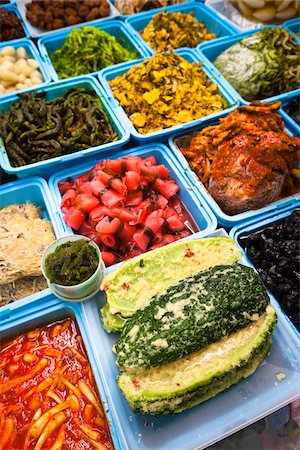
{"x":223,"y":219}
{"x":55,"y":40}
{"x":14,"y":9}
{"x":105,"y":75}
{"x":49,"y":166}
{"x":202,"y":13}
{"x":210,"y":50}
{"x":201,"y":214}
{"x":34,"y":190}
{"x":19,"y":317}
{"x":31,"y":50}
{"x":243,"y":404}
{"x":251,"y":226}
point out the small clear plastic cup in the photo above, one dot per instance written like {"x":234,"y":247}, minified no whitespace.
{"x":78,"y":292}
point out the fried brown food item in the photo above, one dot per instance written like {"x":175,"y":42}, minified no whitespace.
{"x":11,"y":26}
{"x":248,"y":160}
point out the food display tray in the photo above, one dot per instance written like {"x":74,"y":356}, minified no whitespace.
{"x":201,"y":213}
{"x":32,"y":51}
{"x":202,"y":13}
{"x":17,"y":318}
{"x":209,"y":51}
{"x":121,"y":31}
{"x":251,"y":226}
{"x":109,"y":73}
{"x":201,"y":426}
{"x":36,"y":32}
{"x":49,"y":166}
{"x":14,"y":9}
{"x":225,"y":220}
{"x":33,"y":190}
{"x":125,"y":16}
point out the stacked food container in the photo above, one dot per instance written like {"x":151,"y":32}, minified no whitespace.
{"x":113,"y":116}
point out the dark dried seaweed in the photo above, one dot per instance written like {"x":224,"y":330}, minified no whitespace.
{"x":35,"y":129}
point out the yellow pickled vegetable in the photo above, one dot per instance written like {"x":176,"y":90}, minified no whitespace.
{"x":169,"y":30}
{"x":164,"y":91}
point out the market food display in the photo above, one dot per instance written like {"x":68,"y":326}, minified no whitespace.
{"x":247,"y":160}
{"x":134,"y":6}
{"x":48,"y":394}
{"x":11,"y":26}
{"x":75,"y":121}
{"x":262,"y":65}
{"x":18,"y":70}
{"x":169,"y":30}
{"x":274,"y":251}
{"x":87,"y":50}
{"x":49,"y":15}
{"x":276,"y":11}
{"x":127,"y":206}
{"x":23,"y":238}
{"x":164,"y":91}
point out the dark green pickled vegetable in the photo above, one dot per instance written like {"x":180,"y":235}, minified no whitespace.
{"x":262,"y":65}
{"x":71,"y":263}
{"x":34,"y":129}
{"x":88,"y":50}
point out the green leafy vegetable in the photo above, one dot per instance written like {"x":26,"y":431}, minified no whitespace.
{"x":34,"y":129}
{"x":71,"y":263}
{"x":262,"y":65}
{"x":88,"y":50}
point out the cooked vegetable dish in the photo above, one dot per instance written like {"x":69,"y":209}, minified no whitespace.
{"x":262,"y":65}
{"x":50,"y":15}
{"x":248,"y":160}
{"x":127,"y":206}
{"x":135,"y":6}
{"x":48,"y":395}
{"x":164,"y":91}
{"x":267,"y":11}
{"x":24,"y":236}
{"x":170,"y":30}
{"x":274,"y":251}
{"x":71,"y":263}
{"x":35,"y":129}
{"x":293,"y":109}
{"x":88,"y":50}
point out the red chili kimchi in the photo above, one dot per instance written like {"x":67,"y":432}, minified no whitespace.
{"x":48,"y":395}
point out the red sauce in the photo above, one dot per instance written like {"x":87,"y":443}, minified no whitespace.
{"x":46,"y":371}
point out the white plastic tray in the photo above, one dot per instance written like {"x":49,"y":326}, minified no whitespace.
{"x":205,"y":424}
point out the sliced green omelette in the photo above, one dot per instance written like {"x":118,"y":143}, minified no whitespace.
{"x":131,"y":287}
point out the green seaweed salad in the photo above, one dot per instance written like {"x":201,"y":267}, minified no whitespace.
{"x":35,"y":129}
{"x":71,"y":263}
{"x":88,"y":50}
{"x":262,"y":65}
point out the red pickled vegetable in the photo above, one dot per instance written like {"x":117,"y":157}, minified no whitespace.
{"x":127,"y":206}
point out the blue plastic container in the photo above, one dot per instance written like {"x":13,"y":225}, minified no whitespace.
{"x":14,"y":9}
{"x":54,"y":41}
{"x":201,"y":214}
{"x":18,"y":318}
{"x":225,"y":220}
{"x":32,"y":52}
{"x":32,"y":190}
{"x":190,"y":55}
{"x":253,"y":225}
{"x":201,"y":426}
{"x":49,"y":166}
{"x":293,"y":26}
{"x":210,"y":50}
{"x":201,"y":12}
